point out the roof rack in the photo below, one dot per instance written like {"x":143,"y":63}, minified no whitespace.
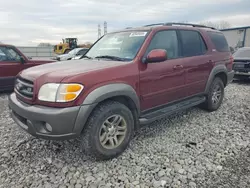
{"x":176,"y":23}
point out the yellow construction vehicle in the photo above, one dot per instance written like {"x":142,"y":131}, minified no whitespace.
{"x":67,"y":45}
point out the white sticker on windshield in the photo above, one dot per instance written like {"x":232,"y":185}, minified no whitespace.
{"x":138,"y":34}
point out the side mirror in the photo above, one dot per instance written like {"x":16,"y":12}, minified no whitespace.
{"x":22,"y":59}
{"x":29,"y":57}
{"x":155,"y":56}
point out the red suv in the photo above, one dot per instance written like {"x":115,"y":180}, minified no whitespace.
{"x":12,"y":61}
{"x":127,"y":79}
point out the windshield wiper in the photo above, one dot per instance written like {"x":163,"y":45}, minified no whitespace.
{"x":86,"y":57}
{"x":111,"y":57}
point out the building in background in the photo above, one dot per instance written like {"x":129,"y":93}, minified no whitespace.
{"x":45,"y":45}
{"x":238,"y":37}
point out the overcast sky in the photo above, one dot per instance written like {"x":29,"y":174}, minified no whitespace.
{"x":29,"y":22}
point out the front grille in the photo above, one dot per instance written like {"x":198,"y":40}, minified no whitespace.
{"x":24,"y":87}
{"x":247,"y":65}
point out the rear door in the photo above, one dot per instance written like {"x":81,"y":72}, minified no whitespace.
{"x":197,"y":61}
{"x":10,"y":66}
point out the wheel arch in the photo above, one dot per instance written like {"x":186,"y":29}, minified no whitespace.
{"x":218,"y":71}
{"x":120,"y":92}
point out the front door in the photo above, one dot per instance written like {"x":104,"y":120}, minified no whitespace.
{"x":10,"y":66}
{"x":162,"y":82}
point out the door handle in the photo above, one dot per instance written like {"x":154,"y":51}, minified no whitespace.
{"x":176,"y":67}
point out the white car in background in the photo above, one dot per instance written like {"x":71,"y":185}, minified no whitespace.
{"x":75,"y":53}
{"x":81,"y":53}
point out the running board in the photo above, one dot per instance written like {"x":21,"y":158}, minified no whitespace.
{"x":171,"y":109}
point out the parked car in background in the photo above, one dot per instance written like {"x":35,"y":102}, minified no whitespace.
{"x":241,"y":64}
{"x":127,"y":79}
{"x":83,"y":52}
{"x":12,"y":61}
{"x":232,"y":49}
{"x":75,"y":53}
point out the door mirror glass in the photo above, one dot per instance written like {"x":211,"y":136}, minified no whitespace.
{"x":155,"y":56}
{"x":22,"y":59}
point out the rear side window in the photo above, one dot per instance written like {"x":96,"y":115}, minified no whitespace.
{"x":219,"y":41}
{"x":192,"y":43}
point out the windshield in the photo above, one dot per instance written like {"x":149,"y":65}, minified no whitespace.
{"x":124,"y":45}
{"x":242,"y":53}
{"x":73,"y":51}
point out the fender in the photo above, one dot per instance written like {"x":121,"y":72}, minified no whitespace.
{"x":217,"y":69}
{"x":112,"y":90}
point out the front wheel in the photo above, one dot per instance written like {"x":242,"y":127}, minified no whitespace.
{"x":67,"y":51}
{"x":215,"y":95}
{"x":108,"y":130}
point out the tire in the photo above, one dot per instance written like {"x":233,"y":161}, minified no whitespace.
{"x":212,"y":102}
{"x":95,"y":130}
{"x":66,"y":51}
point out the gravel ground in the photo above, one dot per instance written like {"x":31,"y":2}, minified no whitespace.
{"x":191,"y":149}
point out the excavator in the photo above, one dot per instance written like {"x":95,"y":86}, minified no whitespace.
{"x":67,"y":45}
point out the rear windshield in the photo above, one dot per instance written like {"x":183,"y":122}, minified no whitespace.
{"x":242,"y":53}
{"x":219,"y":41}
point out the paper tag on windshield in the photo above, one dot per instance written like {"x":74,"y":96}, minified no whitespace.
{"x":138,"y":34}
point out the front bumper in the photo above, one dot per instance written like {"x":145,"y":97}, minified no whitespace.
{"x":241,"y":73}
{"x":49,"y":123}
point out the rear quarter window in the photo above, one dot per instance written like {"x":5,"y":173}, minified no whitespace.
{"x":192,"y":43}
{"x":220,"y":41}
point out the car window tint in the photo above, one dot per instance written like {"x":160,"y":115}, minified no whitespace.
{"x":14,"y":54}
{"x":166,"y":40}
{"x":8,"y":54}
{"x":82,"y":52}
{"x":219,"y":41}
{"x":192,"y":43}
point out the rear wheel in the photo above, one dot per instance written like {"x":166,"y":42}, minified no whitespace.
{"x":215,"y":95}
{"x":108,"y":130}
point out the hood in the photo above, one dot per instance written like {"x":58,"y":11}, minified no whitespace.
{"x":60,"y":70}
{"x":42,"y":61}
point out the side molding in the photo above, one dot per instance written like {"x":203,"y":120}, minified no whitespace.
{"x":112,"y":90}
{"x":217,"y":69}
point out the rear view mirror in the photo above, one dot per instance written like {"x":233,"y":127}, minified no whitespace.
{"x":155,"y":56}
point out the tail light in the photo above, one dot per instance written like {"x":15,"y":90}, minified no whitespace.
{"x":231,"y":62}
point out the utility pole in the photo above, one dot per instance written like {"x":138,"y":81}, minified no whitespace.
{"x":105,"y":27}
{"x":99,"y":31}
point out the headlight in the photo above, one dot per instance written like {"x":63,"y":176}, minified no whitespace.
{"x":53,"y":92}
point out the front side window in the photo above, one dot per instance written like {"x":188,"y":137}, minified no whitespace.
{"x":124,"y":45}
{"x":8,"y":54}
{"x":192,"y":43}
{"x":166,"y":40}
